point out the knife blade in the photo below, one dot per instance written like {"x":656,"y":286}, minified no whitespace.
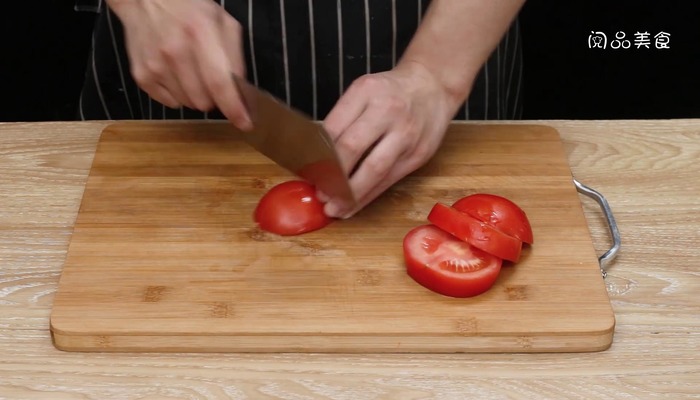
{"x":294,"y":141}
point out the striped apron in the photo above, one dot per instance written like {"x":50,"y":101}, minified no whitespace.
{"x":305,"y":52}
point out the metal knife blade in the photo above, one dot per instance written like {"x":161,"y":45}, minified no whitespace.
{"x":294,"y":141}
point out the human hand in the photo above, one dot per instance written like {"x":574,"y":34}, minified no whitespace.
{"x":183,"y":52}
{"x":395,"y":120}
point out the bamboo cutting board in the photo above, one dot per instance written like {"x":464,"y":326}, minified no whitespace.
{"x":165,"y":255}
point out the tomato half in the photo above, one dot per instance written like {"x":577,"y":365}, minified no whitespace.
{"x":479,"y":234}
{"x":291,"y":208}
{"x":498,"y":212}
{"x":444,"y":264}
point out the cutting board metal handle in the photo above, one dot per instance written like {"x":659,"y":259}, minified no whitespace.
{"x":607,"y":257}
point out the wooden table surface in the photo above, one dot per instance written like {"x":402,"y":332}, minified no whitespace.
{"x":648,"y":170}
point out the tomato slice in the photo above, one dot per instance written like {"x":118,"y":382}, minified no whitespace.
{"x":446,"y":265}
{"x":291,"y":208}
{"x":498,"y":212}
{"x":479,"y":234}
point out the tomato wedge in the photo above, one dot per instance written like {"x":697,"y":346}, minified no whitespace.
{"x":479,"y":234}
{"x":446,"y":265}
{"x":498,"y":212}
{"x":291,"y":208}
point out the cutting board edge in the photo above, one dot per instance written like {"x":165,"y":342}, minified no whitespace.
{"x":606,"y":325}
{"x":334,"y":344}
{"x":592,"y":340}
{"x":227,"y":125}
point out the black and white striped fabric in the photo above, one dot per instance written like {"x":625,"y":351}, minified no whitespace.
{"x":305,"y":52}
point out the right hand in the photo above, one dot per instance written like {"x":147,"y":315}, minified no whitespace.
{"x":183,"y":52}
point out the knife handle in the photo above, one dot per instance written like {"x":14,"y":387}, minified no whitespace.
{"x":607,"y":257}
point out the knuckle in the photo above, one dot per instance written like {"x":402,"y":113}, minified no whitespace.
{"x":378,"y":166}
{"x":332,"y":126}
{"x":392,"y":104}
{"x":217,"y":83}
{"x":171,"y":50}
{"x":147,"y":80}
{"x":420,"y":155}
{"x":368,"y":82}
{"x":348,"y":145}
{"x":142,"y":76}
{"x":201,"y":102}
{"x":196,"y":24}
{"x":154,"y":69}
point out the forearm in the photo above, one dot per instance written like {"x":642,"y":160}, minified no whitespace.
{"x":456,"y":38}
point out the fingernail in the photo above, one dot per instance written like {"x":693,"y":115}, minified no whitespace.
{"x":322,"y":197}
{"x":333,"y":209}
{"x":245,"y":124}
{"x":348,"y":214}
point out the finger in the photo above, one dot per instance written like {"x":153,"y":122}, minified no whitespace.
{"x":162,"y":95}
{"x":372,"y":176}
{"x":407,"y":162}
{"x":151,"y":72}
{"x":361,"y":135}
{"x":186,"y":81}
{"x":232,"y":38}
{"x":322,"y":197}
{"x":165,"y":90}
{"x":154,"y":89}
{"x":179,"y":74}
{"x":215,"y":69}
{"x":395,"y":175}
{"x":171,"y":84}
{"x":346,"y":110}
{"x":157,"y":57}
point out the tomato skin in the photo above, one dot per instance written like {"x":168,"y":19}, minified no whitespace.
{"x":291,"y":208}
{"x":498,"y":212}
{"x":446,"y":265}
{"x":479,"y":234}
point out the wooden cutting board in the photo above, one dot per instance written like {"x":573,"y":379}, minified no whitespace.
{"x":165,"y":256}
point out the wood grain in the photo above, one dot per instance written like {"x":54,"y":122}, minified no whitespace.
{"x":645,"y":169}
{"x":166,"y":257}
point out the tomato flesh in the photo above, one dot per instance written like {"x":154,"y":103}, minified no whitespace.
{"x":498,"y":212}
{"x":447,"y":265}
{"x":291,"y":208}
{"x":477,"y":233}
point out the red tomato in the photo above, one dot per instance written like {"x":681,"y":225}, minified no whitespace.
{"x":479,"y":234}
{"x":498,"y":212}
{"x":291,"y":208}
{"x":446,"y":265}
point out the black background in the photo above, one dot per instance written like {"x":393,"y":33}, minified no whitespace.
{"x":44,"y":52}
{"x":565,"y":79}
{"x":45,"y":44}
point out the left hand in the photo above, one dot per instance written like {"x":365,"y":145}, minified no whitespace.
{"x":398,"y":118}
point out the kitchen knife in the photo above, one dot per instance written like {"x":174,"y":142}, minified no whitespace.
{"x":294,"y":141}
